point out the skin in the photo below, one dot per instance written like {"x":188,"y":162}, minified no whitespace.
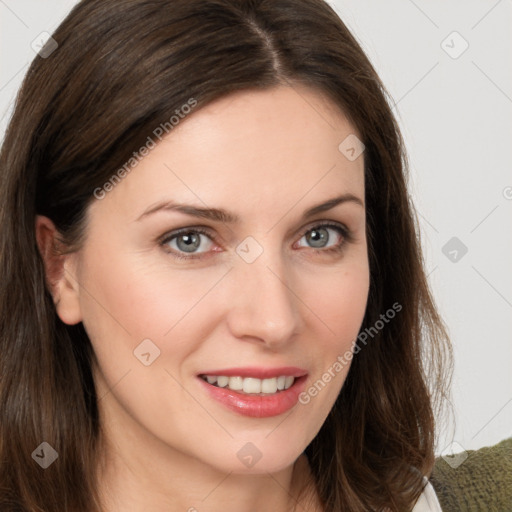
{"x":266,"y":156}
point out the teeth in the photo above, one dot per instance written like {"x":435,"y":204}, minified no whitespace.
{"x":222,"y":381}
{"x":288,"y":382}
{"x":236,"y":383}
{"x":269,"y":385}
{"x":250,"y":384}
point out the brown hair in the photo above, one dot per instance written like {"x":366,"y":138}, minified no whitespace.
{"x":121,"y":68}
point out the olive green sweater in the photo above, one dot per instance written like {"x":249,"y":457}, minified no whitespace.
{"x":480,"y":483}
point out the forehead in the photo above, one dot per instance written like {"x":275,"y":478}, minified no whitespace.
{"x":263,"y":147}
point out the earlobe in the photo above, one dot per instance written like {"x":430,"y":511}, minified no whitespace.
{"x":60,"y":271}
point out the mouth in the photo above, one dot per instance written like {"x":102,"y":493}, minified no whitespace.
{"x":255,"y":392}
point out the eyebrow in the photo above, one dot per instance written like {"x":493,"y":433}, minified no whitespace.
{"x":221,"y":215}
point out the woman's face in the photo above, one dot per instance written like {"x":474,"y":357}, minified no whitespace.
{"x":271,"y":299}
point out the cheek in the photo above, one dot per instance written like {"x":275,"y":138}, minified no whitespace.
{"x":338,"y":304}
{"x":338,"y":301}
{"x":129,"y":298}
{"x":346,"y":304}
{"x":133,"y":300}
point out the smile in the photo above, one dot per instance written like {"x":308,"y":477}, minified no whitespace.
{"x":255,"y":392}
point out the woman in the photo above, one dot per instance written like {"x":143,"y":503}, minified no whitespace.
{"x":212,"y":287}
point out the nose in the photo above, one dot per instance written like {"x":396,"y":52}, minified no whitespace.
{"x":263,"y":306}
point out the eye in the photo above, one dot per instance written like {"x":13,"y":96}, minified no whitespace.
{"x":184,"y":243}
{"x":319,"y":237}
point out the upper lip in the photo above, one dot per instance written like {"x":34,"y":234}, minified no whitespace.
{"x":258,"y":372}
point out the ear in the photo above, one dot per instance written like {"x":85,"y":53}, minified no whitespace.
{"x":60,"y":271}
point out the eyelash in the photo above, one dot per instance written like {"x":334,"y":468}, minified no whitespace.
{"x":342,"y":230}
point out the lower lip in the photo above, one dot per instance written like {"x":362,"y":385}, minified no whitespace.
{"x":257,"y":406}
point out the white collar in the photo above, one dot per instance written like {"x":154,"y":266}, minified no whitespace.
{"x":427,"y":502}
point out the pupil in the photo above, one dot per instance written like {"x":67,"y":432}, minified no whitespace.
{"x":191,"y":240}
{"x":318,"y":237}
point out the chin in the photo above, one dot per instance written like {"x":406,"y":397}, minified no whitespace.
{"x":257,"y":454}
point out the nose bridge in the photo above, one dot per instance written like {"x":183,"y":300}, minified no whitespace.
{"x":265,"y":306}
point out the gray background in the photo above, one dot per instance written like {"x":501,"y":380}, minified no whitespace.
{"x":455,"y":114}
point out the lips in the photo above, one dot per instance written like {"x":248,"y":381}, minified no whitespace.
{"x":255,"y":392}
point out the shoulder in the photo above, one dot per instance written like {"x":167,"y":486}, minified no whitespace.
{"x":476,"y":479}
